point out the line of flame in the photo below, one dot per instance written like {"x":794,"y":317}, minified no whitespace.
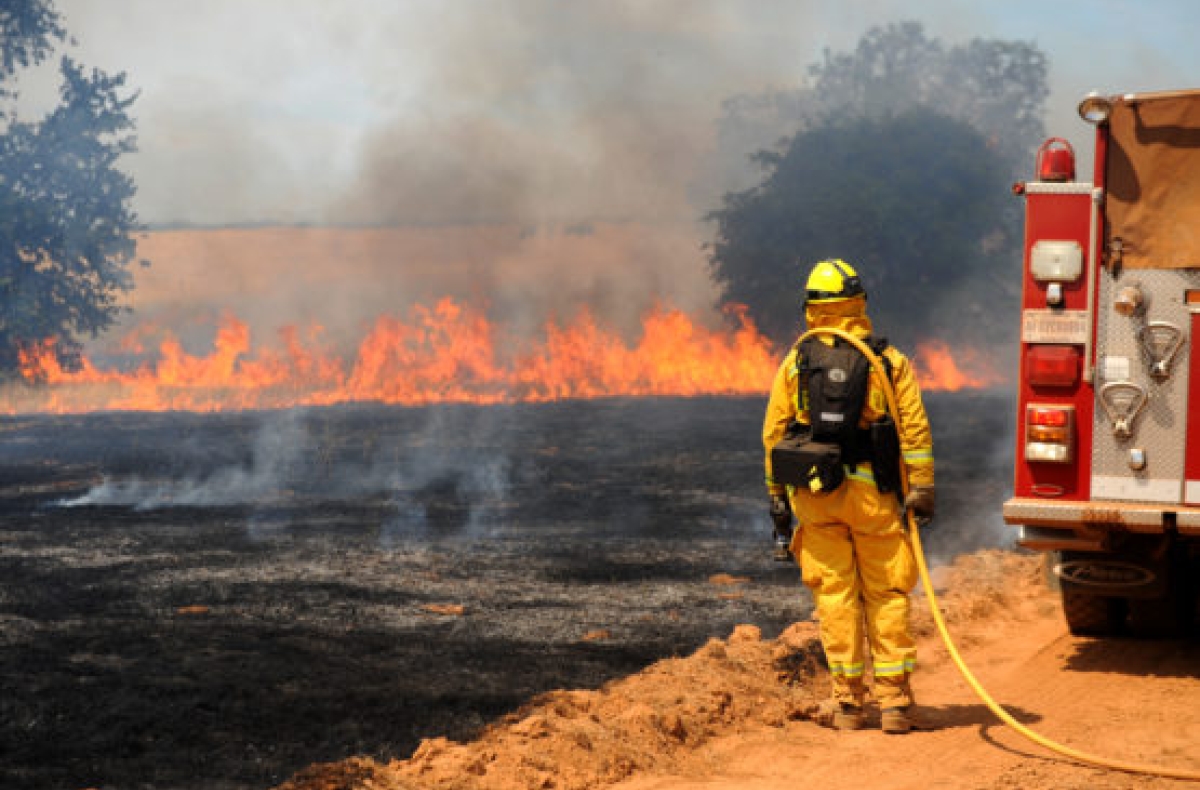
{"x":445,"y":353}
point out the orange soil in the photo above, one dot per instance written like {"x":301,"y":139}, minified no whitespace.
{"x":734,"y":714}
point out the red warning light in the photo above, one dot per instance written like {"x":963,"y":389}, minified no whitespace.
{"x":1056,"y":161}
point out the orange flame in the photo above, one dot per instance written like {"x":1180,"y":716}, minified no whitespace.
{"x":445,"y":353}
{"x":937,"y":368}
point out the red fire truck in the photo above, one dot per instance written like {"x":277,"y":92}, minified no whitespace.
{"x":1108,"y":424}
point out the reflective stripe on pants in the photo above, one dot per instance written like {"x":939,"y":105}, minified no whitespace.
{"x":856,"y":559}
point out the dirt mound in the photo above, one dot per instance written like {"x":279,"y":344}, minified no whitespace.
{"x":649,"y":722}
{"x":659,"y":721}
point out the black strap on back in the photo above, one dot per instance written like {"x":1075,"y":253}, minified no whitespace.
{"x":836,"y":380}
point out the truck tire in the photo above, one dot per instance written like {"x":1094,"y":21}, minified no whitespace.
{"x":1092,"y":615}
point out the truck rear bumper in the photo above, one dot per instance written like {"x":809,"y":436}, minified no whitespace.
{"x":1084,"y":526}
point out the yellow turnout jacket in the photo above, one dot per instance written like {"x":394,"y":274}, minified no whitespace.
{"x":786,"y":404}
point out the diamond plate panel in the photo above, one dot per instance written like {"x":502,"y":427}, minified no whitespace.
{"x":1159,"y":430}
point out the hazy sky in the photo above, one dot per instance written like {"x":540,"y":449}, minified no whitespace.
{"x":430,"y":111}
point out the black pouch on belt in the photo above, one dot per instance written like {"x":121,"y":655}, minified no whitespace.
{"x":798,"y":461}
{"x":885,"y":454}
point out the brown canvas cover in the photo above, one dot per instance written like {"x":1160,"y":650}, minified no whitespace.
{"x":1152,"y":179}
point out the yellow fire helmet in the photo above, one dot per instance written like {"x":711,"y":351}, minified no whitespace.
{"x":832,"y":280}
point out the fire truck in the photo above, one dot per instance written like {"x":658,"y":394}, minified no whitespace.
{"x":1107,"y":461}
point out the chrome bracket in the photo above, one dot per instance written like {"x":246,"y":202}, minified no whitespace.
{"x":1122,"y":401}
{"x":1160,"y":341}
{"x":1114,"y":257}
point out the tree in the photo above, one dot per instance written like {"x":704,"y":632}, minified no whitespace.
{"x":899,"y":159}
{"x":66,"y":222}
{"x":999,"y":87}
{"x":917,"y":201}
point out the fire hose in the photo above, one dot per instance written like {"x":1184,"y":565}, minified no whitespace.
{"x":943,"y":631}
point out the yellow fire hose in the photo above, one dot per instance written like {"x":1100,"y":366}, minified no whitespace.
{"x":919,"y":553}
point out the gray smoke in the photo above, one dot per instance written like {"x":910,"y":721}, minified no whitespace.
{"x":576,"y":131}
{"x":515,"y":110}
{"x":295,"y":458}
{"x":280,"y":442}
{"x":560,"y":126}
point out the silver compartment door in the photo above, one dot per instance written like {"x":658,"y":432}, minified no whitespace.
{"x":1157,"y":433}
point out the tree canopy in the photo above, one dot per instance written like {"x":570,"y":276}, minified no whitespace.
{"x":913,"y":201}
{"x":899,"y":160}
{"x":66,"y":221}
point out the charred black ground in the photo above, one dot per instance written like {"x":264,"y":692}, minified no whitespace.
{"x":216,"y":601}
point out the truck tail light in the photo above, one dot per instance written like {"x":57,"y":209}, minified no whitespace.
{"x":1050,"y":434}
{"x":1052,"y":366}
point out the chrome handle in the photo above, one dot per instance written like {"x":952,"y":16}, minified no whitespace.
{"x":1160,"y":341}
{"x":1122,"y":401}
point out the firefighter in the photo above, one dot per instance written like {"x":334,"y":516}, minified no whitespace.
{"x":851,"y":544}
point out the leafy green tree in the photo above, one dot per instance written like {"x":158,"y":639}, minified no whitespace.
{"x":66,"y":222}
{"x":898,"y":157}
{"x":918,"y":202}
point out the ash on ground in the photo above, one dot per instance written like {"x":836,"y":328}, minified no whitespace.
{"x":216,"y":601}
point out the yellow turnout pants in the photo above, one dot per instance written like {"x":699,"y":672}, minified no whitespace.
{"x":855,"y":557}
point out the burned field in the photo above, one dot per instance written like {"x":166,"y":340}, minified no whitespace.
{"x":215,"y":601}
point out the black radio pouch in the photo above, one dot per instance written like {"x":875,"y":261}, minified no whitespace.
{"x":798,"y":461}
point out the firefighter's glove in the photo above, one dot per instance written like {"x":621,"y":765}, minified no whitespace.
{"x":919,"y":502}
{"x":781,"y":518}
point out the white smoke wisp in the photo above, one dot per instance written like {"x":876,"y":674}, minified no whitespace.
{"x":457,"y":480}
{"x":425,"y":473}
{"x":447,"y":499}
{"x":974,"y":447}
{"x":278,"y":446}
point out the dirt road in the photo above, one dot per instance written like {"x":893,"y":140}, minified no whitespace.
{"x":732,"y":714}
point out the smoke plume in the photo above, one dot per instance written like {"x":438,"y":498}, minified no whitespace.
{"x":297,"y":457}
